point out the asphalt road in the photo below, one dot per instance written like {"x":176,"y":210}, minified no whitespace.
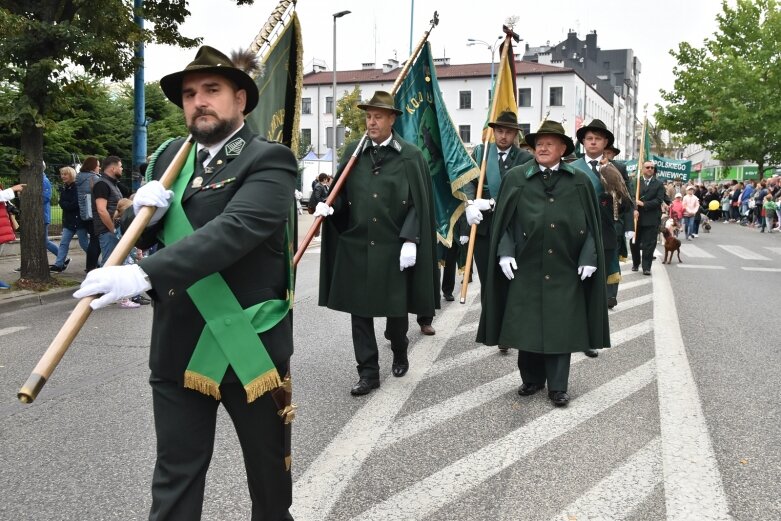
{"x":679,"y":420}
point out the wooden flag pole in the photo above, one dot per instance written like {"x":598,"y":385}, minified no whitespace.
{"x":334,"y":193}
{"x":640,"y":160}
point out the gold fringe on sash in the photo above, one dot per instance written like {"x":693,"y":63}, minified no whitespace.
{"x":202,"y":384}
{"x":614,"y":278}
{"x":268,"y":381}
{"x":621,"y":258}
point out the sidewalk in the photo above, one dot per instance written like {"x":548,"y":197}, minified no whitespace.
{"x":11,"y":300}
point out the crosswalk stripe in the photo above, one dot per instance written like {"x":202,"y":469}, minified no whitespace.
{"x":695,"y":252}
{"x":772,"y":270}
{"x":469,"y":327}
{"x":321,"y":485}
{"x":450,"y":483}
{"x":743,"y":253}
{"x":620,"y":493}
{"x":701,"y":266}
{"x":634,"y":284}
{"x":692,"y":481}
{"x":623,"y":305}
{"x":12,"y":329}
{"x":467,"y":358}
{"x":441,"y":412}
{"x":774,"y":249}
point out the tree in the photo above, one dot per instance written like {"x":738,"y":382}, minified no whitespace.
{"x":725,"y":95}
{"x":44,"y":45}
{"x":351,"y":116}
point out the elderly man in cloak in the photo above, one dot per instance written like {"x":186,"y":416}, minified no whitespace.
{"x":545,"y":293}
{"x":377,"y":256}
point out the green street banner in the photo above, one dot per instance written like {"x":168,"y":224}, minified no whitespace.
{"x":666,"y":168}
{"x":426,"y":123}
{"x":277,"y":117}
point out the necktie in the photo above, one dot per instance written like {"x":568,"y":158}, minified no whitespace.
{"x":501,"y":157}
{"x":593,"y":164}
{"x":200,"y":159}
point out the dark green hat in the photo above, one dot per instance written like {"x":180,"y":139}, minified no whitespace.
{"x":380,"y":100}
{"x":210,"y":60}
{"x":596,"y":126}
{"x":506,"y":119}
{"x":615,"y":150}
{"x":555,"y":128}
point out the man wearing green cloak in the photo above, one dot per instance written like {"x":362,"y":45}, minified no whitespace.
{"x":378,"y":246}
{"x":545,"y":289}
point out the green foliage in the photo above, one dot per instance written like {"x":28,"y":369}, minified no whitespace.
{"x":725,"y":95}
{"x":351,"y":116}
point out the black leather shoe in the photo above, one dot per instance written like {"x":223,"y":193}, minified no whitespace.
{"x":646,"y":272}
{"x":364,"y":386}
{"x":426,"y":329}
{"x":559,"y":398}
{"x":612,"y":302}
{"x":448,"y":297}
{"x":503,"y":349}
{"x":591,"y":353}
{"x":634,"y":268}
{"x":400,"y":365}
{"x":530,"y":389}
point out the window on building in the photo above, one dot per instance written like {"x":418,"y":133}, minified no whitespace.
{"x":329,"y":105}
{"x":465,"y":99}
{"x":526,"y":128}
{"x":556,"y":96}
{"x":329,"y":136}
{"x":524,"y":97}
{"x":465,"y":132}
{"x":306,"y":105}
{"x":306,"y":138}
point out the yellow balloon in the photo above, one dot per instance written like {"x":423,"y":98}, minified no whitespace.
{"x":713,"y":206}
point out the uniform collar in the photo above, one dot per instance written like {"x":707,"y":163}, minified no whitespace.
{"x":538,"y":168}
{"x":391,"y":142}
{"x":215,"y":149}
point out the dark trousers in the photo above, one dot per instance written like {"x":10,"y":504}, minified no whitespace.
{"x":449,"y":271}
{"x":645,"y":244}
{"x":481,"y":250}
{"x":365,"y":343}
{"x":185,"y":422}
{"x":93,"y":249}
{"x":537,"y":368}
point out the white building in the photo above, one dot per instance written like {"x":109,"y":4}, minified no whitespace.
{"x":558,"y":93}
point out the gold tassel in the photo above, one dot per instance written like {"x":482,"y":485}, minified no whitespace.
{"x":268,"y":381}
{"x":202,"y":384}
{"x":614,"y":278}
{"x":288,"y":461}
{"x":621,"y":258}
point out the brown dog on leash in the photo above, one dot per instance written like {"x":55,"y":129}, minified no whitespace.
{"x":671,"y":245}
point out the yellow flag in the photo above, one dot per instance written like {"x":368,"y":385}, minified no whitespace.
{"x":504,"y":88}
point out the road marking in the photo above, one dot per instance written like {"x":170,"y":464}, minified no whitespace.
{"x":634,"y":284}
{"x":447,"y":485}
{"x":631,"y":303}
{"x":701,"y":266}
{"x":471,"y":327}
{"x":743,"y":253}
{"x":469,"y":357}
{"x":12,"y":329}
{"x":775,"y":250}
{"x":617,"y":495}
{"x":774,"y":270}
{"x":323,"y":482}
{"x":695,"y":252}
{"x":692,"y":482}
{"x":441,"y":412}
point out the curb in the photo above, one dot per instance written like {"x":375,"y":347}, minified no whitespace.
{"x":15,"y":303}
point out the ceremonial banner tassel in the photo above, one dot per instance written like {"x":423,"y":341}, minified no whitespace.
{"x":56,"y":350}
{"x":503,"y":99}
{"x":334,"y":192}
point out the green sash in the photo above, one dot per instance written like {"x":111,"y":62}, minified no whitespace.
{"x":230,"y":337}
{"x":493,"y":178}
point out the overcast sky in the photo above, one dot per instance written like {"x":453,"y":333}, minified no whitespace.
{"x":378,"y":30}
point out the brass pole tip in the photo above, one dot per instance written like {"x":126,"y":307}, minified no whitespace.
{"x":31,"y":388}
{"x":462,"y":300}
{"x":24,"y":398}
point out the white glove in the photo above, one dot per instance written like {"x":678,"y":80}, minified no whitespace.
{"x":153,"y":194}
{"x":483,"y":204}
{"x":508,"y":265}
{"x":323,"y":210}
{"x":115,"y":283}
{"x":629,"y":235}
{"x":463,"y":239}
{"x":409,"y":253}
{"x":586,"y":271}
{"x":473,"y":215}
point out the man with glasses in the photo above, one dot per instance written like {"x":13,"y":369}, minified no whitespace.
{"x":648,"y":215}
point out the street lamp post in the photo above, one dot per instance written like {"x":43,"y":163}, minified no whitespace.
{"x":492,"y":48}
{"x":333,"y":99}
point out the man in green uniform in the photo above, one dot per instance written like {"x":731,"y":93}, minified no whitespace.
{"x":221,"y":283}
{"x":502,"y":155}
{"x":377,"y":255}
{"x":648,"y":214}
{"x":545,"y":291}
{"x":614,"y":205}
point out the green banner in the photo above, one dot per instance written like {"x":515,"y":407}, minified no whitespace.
{"x":666,"y":168}
{"x":426,"y":123}
{"x":277,"y":116}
